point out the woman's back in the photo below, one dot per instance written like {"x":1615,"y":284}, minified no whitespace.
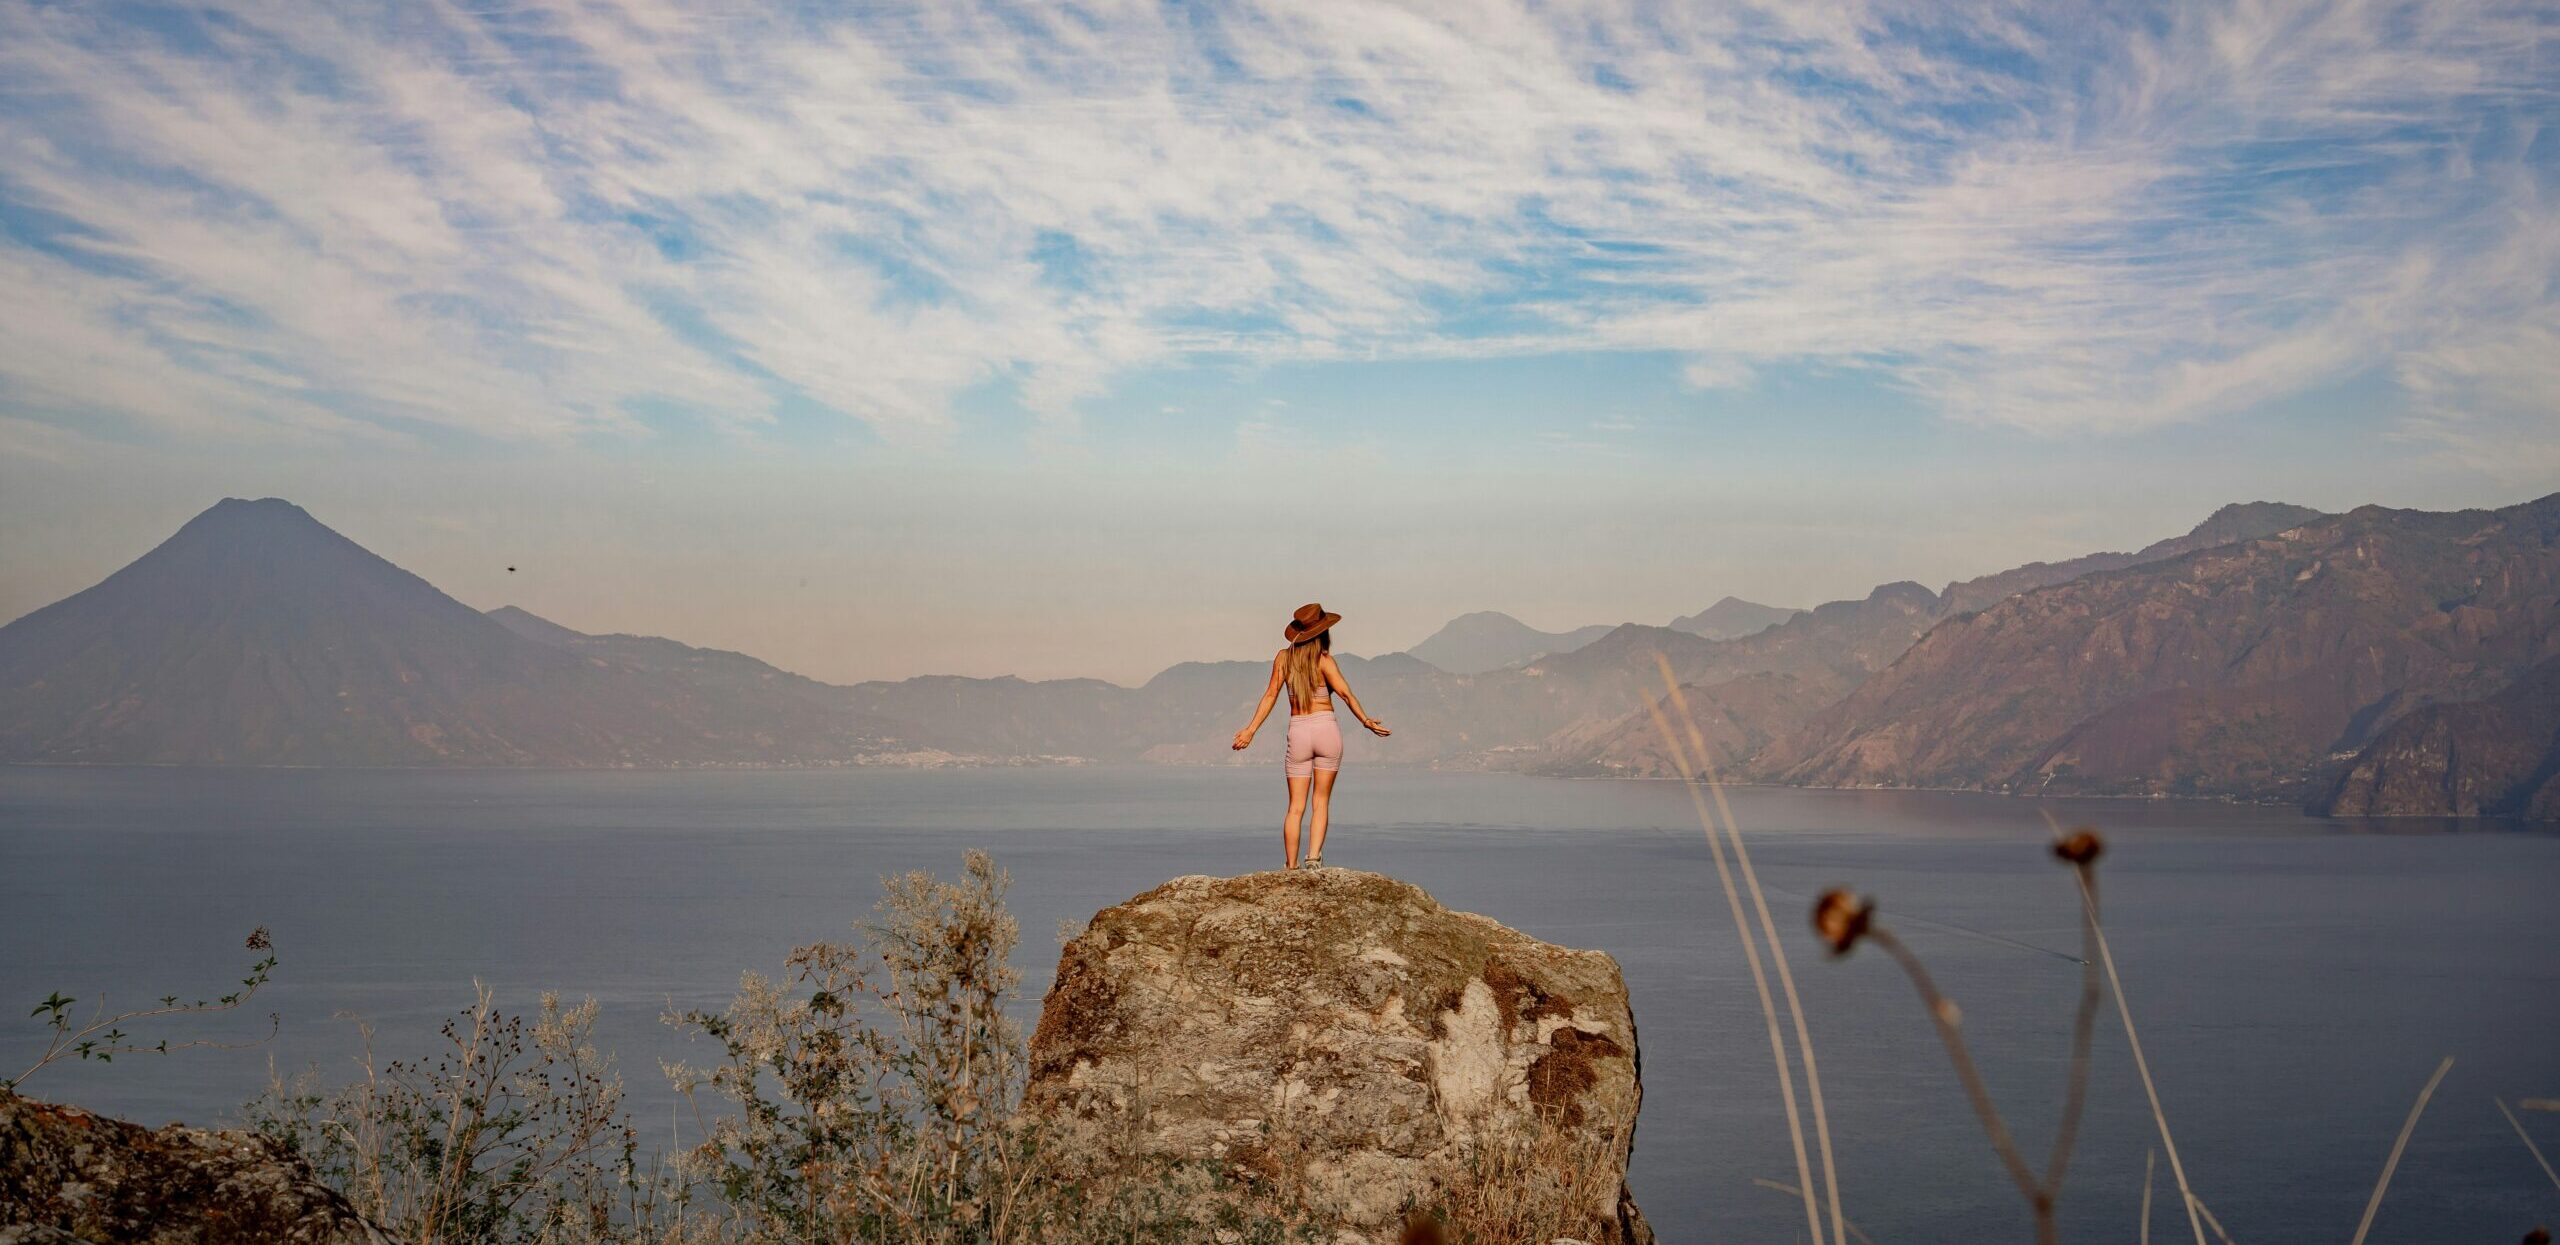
{"x":1319,"y":695}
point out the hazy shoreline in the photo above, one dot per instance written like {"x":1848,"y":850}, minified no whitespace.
{"x":2451,"y":825}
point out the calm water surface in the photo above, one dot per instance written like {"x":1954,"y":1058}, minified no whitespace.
{"x":2295,"y":980}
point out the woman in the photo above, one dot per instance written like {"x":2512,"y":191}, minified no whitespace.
{"x":1307,"y":669}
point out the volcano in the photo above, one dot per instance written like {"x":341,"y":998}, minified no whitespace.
{"x":259,"y":636}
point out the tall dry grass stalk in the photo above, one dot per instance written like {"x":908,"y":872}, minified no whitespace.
{"x":1843,"y":920}
{"x":1949,"y":1021}
{"x":2149,"y":1159}
{"x":2196,"y":1205}
{"x":1777,"y":950}
{"x":1851,"y":1225}
{"x":1751,"y":955}
{"x":2133,"y":1041}
{"x":2374,"y":1204}
{"x":2527,"y":1139}
{"x":2080,"y":851}
{"x":2095,"y":934}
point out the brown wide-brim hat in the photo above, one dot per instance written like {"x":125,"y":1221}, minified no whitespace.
{"x":1310,"y":622}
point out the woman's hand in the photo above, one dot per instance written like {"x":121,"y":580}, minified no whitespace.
{"x":1244,"y":740}
{"x":1376,"y":727}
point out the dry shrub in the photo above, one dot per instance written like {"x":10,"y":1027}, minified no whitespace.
{"x":870,"y":1093}
{"x":512,"y":1131}
{"x":1530,"y":1184}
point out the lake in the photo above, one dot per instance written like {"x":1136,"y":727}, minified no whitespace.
{"x":2295,"y":980}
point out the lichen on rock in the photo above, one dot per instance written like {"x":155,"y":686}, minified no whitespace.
{"x":1339,"y":1043}
{"x":70,"y":1177}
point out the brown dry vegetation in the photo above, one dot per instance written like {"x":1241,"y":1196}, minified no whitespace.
{"x":1530,"y":1186}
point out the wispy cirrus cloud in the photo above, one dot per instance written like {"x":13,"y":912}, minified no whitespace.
{"x":557,"y":218}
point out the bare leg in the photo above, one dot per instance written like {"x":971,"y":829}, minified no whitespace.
{"x":1289,"y":828}
{"x":1317,"y":814}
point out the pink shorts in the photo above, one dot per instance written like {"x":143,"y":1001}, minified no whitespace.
{"x":1315,"y":742}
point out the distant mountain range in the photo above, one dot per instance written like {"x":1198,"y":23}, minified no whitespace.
{"x":2322,"y":661}
{"x":257,"y":636}
{"x":2376,"y":662}
{"x":1486,"y":640}
{"x":2234,"y":670}
{"x":1732,"y":618}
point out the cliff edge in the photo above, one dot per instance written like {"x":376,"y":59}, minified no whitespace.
{"x":1338,"y":1042}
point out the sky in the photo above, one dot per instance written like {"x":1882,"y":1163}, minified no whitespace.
{"x":1081,"y":339}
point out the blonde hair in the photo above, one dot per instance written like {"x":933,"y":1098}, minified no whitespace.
{"x":1305,"y":658}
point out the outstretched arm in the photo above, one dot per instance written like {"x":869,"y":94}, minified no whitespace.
{"x":1270,"y":695}
{"x":1342,"y":687}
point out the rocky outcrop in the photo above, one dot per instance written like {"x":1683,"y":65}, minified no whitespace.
{"x":1338,"y":1041}
{"x":68,"y":1177}
{"x":2498,"y":757}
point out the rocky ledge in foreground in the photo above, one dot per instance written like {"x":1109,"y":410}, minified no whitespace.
{"x":1339,"y":1041}
{"x":68,"y":1177}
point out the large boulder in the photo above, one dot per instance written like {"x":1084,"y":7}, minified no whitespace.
{"x":1341,"y":1045}
{"x":68,"y":1177}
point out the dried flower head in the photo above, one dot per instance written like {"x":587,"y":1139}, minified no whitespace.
{"x":2081,"y":847}
{"x":1840,"y":919}
{"x":258,"y":940}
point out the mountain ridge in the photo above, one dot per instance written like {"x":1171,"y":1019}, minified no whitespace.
{"x":1490,"y":640}
{"x":1732,"y":618}
{"x":2232,"y":670}
{"x":257,"y":635}
{"x":1768,"y":686}
{"x":2232,"y":522}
